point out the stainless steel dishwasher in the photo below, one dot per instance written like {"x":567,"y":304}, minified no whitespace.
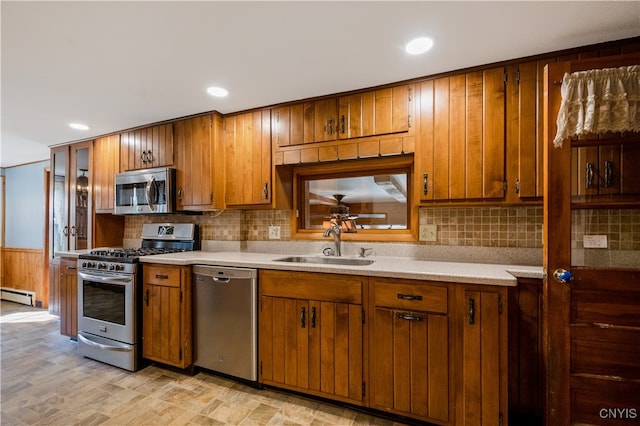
{"x":225,"y":312}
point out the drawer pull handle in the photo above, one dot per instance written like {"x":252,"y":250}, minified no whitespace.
{"x":409,"y":317}
{"x":162,"y":277}
{"x":408,"y":297}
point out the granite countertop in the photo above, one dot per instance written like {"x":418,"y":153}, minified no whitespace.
{"x":392,"y":267}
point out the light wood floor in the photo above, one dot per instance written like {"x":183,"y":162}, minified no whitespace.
{"x":44,"y":381}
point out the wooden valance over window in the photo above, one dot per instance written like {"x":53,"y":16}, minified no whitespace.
{"x":599,"y":101}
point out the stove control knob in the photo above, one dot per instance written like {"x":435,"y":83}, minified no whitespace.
{"x":111,"y":267}
{"x":102,"y":266}
{"x":84,"y":264}
{"x":119,"y":267}
{"x":91,"y":265}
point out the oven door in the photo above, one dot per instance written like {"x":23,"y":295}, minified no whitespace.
{"x":107,"y":305}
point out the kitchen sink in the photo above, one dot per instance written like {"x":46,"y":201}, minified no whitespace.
{"x":326,"y":260}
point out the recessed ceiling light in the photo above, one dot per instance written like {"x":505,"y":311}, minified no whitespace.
{"x":218,"y":92}
{"x":418,"y":45}
{"x":79,"y":126}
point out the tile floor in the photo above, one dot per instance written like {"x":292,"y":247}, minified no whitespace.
{"x":45,"y":382}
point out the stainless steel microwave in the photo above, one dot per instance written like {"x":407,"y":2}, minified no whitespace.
{"x":147,"y":191}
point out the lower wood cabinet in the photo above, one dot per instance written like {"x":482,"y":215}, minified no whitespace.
{"x":311,"y":334}
{"x":409,"y":349}
{"x":68,"y":287}
{"x":481,"y":395}
{"x":166,"y":315}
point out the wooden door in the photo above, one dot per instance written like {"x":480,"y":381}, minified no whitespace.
{"x":106,"y":160}
{"x":59,"y":200}
{"x":411,"y":363}
{"x":147,"y":147}
{"x":591,"y":325}
{"x":198,"y":163}
{"x":68,"y":298}
{"x":248,"y":159}
{"x":482,"y":399}
{"x":161,"y":324}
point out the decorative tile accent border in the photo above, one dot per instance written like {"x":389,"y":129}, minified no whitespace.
{"x":519,"y":227}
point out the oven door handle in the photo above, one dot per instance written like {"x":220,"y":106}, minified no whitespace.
{"x":102,"y":346}
{"x":114,"y":279}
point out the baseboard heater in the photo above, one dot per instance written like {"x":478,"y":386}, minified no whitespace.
{"x":25,"y":297}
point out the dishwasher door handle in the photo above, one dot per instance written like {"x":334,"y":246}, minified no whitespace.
{"x":221,"y":280}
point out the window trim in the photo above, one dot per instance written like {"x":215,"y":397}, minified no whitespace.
{"x":402,"y":163}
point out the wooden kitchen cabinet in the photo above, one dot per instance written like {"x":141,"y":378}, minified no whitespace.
{"x":460,"y":153}
{"x":409,"y":349}
{"x":71,"y":200}
{"x":482,"y":390}
{"x":311,"y":334}
{"x":68,"y":283}
{"x":247,"y":153}
{"x":524,"y":131}
{"x":106,"y":159}
{"x":147,"y":147}
{"x":199,"y":163}
{"x":166,"y":315}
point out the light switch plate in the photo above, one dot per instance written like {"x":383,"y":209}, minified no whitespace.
{"x":594,"y":241}
{"x":274,"y":232}
{"x":428,"y":232}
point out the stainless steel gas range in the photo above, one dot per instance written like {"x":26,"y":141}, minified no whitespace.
{"x":110,"y":294}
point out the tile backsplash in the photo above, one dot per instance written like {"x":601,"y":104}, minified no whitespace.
{"x":514,"y":227}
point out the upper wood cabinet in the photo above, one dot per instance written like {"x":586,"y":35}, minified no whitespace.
{"x":247,"y":152}
{"x":199,"y":163}
{"x":71,"y":202}
{"x":106,"y":156}
{"x":460,"y":152}
{"x":146,"y":148}
{"x":524,"y":131}
{"x":376,"y":112}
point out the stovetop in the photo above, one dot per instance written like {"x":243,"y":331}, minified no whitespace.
{"x":127,"y":255}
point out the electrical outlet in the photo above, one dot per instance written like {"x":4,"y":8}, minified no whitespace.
{"x":428,"y":232}
{"x":274,"y":232}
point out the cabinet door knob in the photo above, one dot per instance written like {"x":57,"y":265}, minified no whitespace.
{"x":608,"y":173}
{"x":589,"y":176}
{"x":265,"y":190}
{"x":472,"y":311}
{"x":303,"y":315}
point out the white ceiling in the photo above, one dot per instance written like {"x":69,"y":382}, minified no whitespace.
{"x":116,"y":65}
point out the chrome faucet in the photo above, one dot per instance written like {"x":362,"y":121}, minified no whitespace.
{"x":335,"y":229}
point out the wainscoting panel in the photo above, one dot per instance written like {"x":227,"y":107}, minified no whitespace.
{"x":25,"y":269}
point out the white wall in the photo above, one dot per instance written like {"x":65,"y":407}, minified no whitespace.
{"x":24,"y":205}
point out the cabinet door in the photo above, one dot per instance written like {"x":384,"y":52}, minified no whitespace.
{"x":106,"y":158}
{"x":196,"y":161}
{"x":59,"y":204}
{"x":147,"y":147}
{"x":325,"y":120}
{"x":284,"y":341}
{"x":80,"y":196}
{"x":248,"y":159}
{"x":392,"y":110}
{"x":356,"y":115}
{"x":68,"y":298}
{"x":410,"y":363}
{"x":460,"y":152}
{"x":312,"y":346}
{"x":161,"y":327}
{"x":482,"y":397}
{"x":524,"y":132}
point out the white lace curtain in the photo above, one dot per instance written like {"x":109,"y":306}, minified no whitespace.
{"x":599,"y":101}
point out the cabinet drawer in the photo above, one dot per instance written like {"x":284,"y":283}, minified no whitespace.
{"x":303,"y":285}
{"x":165,"y":276}
{"x":412,"y":296}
